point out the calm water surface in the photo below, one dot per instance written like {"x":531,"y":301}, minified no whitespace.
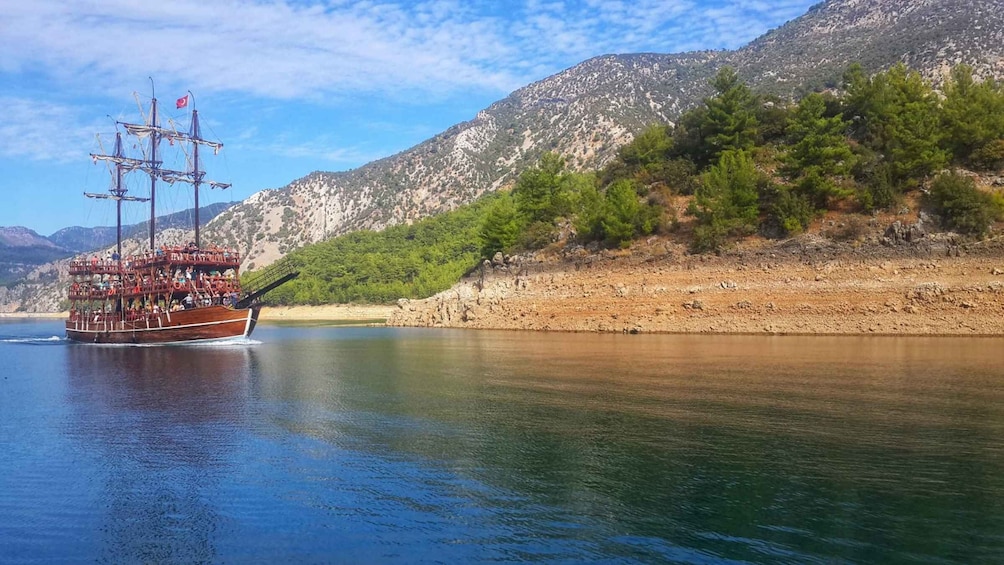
{"x":379,"y":445}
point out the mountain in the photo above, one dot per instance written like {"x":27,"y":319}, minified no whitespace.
{"x":21,"y":250}
{"x":588,"y":111}
{"x":929,"y":36}
{"x":18,"y":236}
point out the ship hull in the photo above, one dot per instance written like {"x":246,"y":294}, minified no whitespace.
{"x":200,"y":324}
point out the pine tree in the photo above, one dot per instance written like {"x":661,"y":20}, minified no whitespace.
{"x":500,"y":228}
{"x":730,"y":122}
{"x":898,"y":117}
{"x":726,"y":203}
{"x":537,"y":193}
{"x":820,"y":152}
{"x":972,"y":115}
{"x":622,"y":212}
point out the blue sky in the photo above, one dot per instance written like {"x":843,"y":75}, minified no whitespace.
{"x":292,"y":87}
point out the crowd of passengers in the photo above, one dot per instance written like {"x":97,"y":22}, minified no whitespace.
{"x":130,"y":296}
{"x":140,"y":308}
{"x":212,"y":282}
{"x":188,"y":254}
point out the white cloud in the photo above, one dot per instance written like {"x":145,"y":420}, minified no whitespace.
{"x":324,"y":51}
{"x":44,"y":131}
{"x":282,"y":49}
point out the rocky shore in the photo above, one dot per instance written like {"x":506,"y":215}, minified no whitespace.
{"x":898,"y":284}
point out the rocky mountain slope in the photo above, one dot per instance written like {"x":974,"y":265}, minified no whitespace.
{"x":588,"y":111}
{"x":930,"y":36}
{"x":21,"y":250}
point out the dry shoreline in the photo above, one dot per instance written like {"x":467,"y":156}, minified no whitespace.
{"x":808,"y":287}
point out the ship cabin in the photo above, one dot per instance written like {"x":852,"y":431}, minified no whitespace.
{"x":142,"y":287}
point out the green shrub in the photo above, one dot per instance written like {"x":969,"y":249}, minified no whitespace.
{"x":536,"y":236}
{"x":961,"y":206}
{"x":878,"y":192}
{"x":709,"y":237}
{"x":681,"y":176}
{"x":727,"y":202}
{"x":989,"y":157}
{"x":793,"y":212}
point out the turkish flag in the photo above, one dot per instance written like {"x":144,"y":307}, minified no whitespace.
{"x":181,"y":102}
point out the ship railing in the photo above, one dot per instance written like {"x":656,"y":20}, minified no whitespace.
{"x":90,"y":320}
{"x":215,"y":285}
{"x":162,"y":256}
{"x":93,"y":266}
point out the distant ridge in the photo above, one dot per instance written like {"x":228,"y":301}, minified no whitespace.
{"x":78,"y":239}
{"x":19,"y":236}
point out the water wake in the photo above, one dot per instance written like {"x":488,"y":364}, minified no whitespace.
{"x":34,"y":340}
{"x":212,"y":343}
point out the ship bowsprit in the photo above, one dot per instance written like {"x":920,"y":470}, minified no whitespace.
{"x":268,"y":279}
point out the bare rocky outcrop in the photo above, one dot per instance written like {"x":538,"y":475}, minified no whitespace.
{"x":899,"y":233}
{"x":810,"y":285}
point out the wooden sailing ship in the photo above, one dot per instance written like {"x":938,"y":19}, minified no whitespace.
{"x":167,"y":294}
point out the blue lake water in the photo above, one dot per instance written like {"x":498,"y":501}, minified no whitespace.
{"x":316,"y":444}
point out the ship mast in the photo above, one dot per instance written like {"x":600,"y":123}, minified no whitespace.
{"x":154,"y":167}
{"x":198,"y":175}
{"x":117,"y":192}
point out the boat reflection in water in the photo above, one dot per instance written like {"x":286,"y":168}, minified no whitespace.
{"x":163,"y":422}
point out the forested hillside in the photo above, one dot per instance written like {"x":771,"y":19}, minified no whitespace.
{"x":404,"y":261}
{"x":753,"y":164}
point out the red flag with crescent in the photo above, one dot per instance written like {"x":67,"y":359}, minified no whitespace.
{"x":181,"y":102}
